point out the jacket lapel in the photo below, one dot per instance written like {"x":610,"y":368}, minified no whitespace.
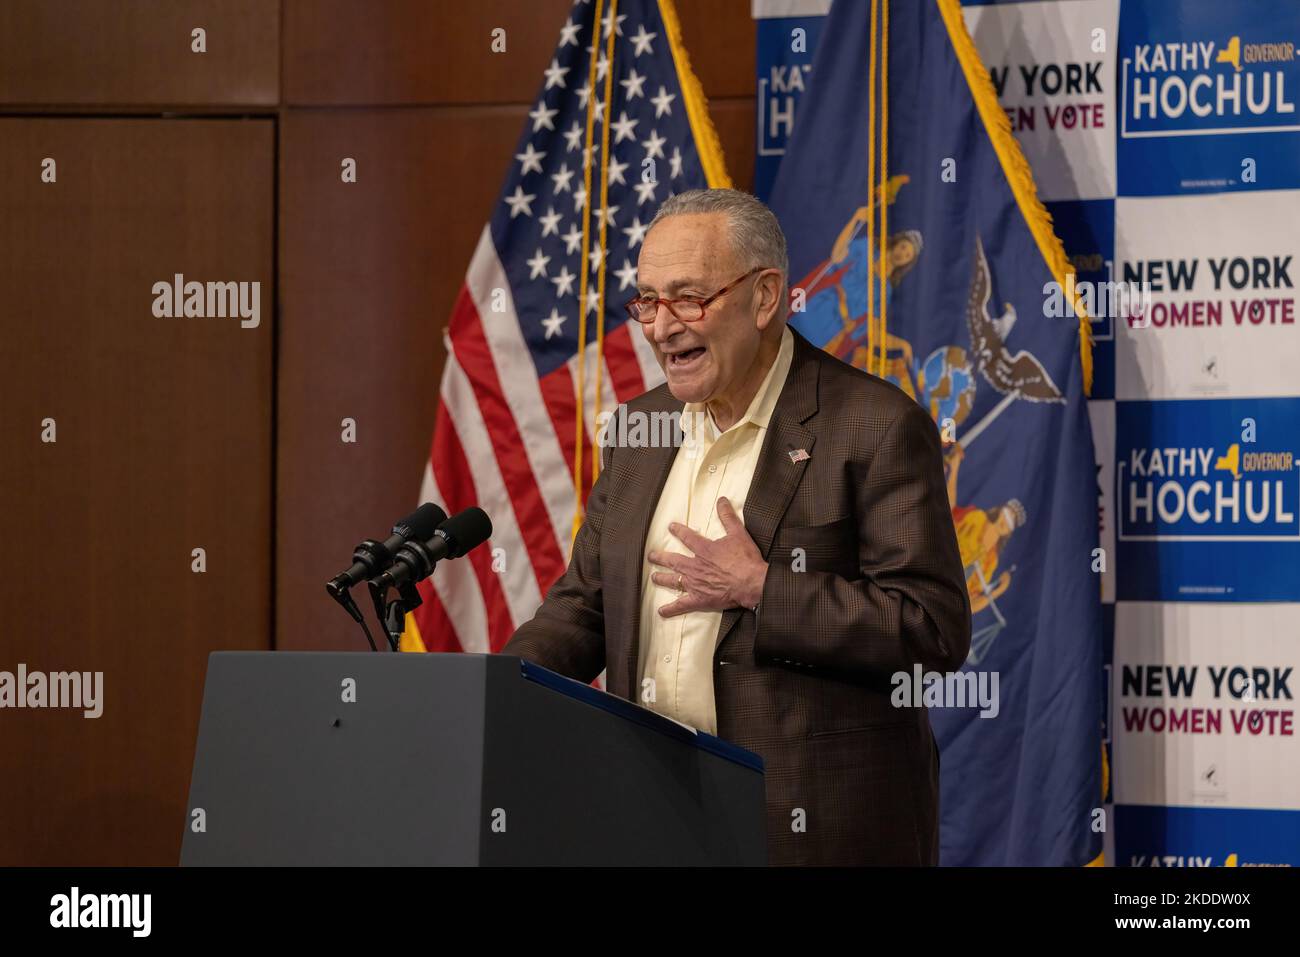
{"x":777,"y":474}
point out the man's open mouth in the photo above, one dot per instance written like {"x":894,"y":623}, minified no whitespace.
{"x":682,"y":360}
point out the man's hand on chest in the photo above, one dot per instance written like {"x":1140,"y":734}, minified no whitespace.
{"x":721,"y":573}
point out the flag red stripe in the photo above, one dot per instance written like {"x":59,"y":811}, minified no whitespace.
{"x":559,"y":394}
{"x":436,"y":629}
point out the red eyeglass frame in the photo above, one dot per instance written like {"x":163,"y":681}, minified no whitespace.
{"x":631,"y":304}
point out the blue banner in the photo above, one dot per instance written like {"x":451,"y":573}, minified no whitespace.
{"x":1208,"y":95}
{"x":1207,"y":500}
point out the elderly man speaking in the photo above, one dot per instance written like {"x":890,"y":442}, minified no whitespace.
{"x":763,"y":581}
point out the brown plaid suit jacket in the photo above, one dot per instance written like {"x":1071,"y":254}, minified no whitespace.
{"x":805,"y":682}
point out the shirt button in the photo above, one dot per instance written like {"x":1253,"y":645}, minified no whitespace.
{"x":668,"y":658}
{"x":712,"y":469}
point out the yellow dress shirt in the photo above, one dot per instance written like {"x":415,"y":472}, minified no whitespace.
{"x":677,"y":653}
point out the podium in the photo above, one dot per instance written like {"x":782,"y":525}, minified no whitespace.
{"x":308,"y":758}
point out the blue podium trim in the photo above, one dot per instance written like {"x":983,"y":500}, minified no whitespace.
{"x":643,"y":716}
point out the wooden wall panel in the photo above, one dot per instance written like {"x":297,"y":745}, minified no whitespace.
{"x":109,"y":53}
{"x":369,"y":272}
{"x":340,"y":52}
{"x":734,"y":121}
{"x":720,"y":37}
{"x":163,"y":445}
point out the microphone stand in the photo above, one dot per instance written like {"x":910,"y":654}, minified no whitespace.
{"x":393,"y":613}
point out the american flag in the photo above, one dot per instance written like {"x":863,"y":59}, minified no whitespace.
{"x":540,"y":318}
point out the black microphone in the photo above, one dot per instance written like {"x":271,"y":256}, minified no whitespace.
{"x":371,"y":557}
{"x":414,"y":561}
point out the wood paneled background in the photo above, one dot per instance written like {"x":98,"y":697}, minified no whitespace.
{"x":176,"y":434}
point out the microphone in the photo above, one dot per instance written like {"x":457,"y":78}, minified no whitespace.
{"x":414,"y":561}
{"x":371,"y":557}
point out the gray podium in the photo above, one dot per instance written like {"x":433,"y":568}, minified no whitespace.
{"x":408,"y":759}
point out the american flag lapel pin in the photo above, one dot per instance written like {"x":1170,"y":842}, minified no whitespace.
{"x":799,"y":455}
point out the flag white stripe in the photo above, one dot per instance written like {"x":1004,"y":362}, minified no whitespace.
{"x":429,"y":491}
{"x":608,"y":398}
{"x":651,"y":374}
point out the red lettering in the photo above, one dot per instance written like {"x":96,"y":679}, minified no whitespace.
{"x":1135,"y":719}
{"x":1258,"y":311}
{"x":1186,"y":720}
{"x":1021,"y":117}
{"x":1084,"y":116}
{"x":1261,"y":721}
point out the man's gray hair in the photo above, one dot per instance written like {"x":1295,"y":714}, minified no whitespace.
{"x":756,"y":235}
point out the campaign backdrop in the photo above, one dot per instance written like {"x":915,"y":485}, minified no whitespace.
{"x":1164,"y":139}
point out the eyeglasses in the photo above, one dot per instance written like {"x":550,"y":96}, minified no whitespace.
{"x":687,"y":309}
